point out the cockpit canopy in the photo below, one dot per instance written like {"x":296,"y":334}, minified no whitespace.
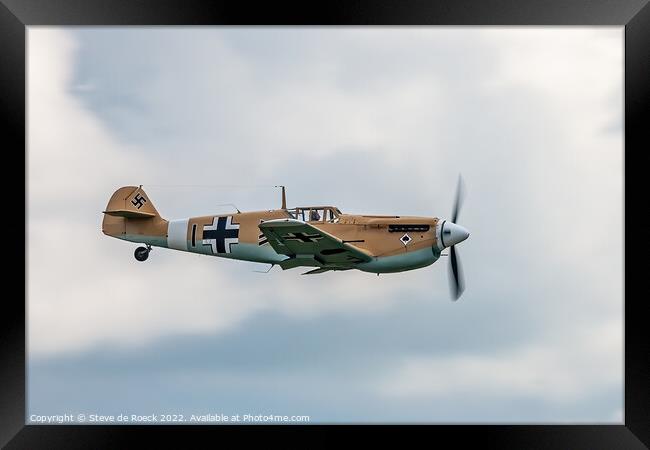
{"x":316,"y":213}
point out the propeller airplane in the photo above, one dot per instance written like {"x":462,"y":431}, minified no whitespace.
{"x":321,"y":237}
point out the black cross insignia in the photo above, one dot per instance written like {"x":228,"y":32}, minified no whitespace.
{"x":221,"y":232}
{"x":303,"y":237}
{"x":138,"y":201}
{"x":261,"y":238}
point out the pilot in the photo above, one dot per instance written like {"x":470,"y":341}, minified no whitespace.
{"x":314,"y":215}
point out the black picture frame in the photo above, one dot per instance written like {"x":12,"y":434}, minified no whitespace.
{"x":634,"y":15}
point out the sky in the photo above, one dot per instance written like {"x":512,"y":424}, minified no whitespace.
{"x":376,"y":120}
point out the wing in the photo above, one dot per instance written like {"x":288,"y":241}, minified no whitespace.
{"x":307,"y":245}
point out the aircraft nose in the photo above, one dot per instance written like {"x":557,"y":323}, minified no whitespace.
{"x":452,"y":234}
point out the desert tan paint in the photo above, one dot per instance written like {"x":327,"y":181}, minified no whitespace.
{"x":371,"y":230}
{"x":126,"y":199}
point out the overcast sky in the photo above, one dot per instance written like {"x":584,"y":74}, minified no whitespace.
{"x":372,"y":120}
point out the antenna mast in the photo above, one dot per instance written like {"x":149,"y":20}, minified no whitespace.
{"x":284,"y":198}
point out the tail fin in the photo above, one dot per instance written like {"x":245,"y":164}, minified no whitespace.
{"x":130,"y":211}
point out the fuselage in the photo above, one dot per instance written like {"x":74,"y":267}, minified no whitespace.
{"x":396,"y":243}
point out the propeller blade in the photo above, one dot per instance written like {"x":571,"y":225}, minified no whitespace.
{"x":458,"y":201}
{"x":456,"y":279}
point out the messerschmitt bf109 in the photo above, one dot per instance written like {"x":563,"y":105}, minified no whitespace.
{"x":321,"y":237}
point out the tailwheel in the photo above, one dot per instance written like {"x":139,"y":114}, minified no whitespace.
{"x":142,"y":253}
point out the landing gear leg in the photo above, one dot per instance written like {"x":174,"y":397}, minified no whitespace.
{"x":142,"y":253}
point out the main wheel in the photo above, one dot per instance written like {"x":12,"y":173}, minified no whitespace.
{"x":141,"y":253}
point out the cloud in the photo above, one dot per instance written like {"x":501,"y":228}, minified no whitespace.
{"x":84,"y":288}
{"x":370,"y":120}
{"x":71,"y":155}
{"x":558,"y":371}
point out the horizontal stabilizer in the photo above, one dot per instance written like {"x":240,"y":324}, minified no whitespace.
{"x":129,"y":214}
